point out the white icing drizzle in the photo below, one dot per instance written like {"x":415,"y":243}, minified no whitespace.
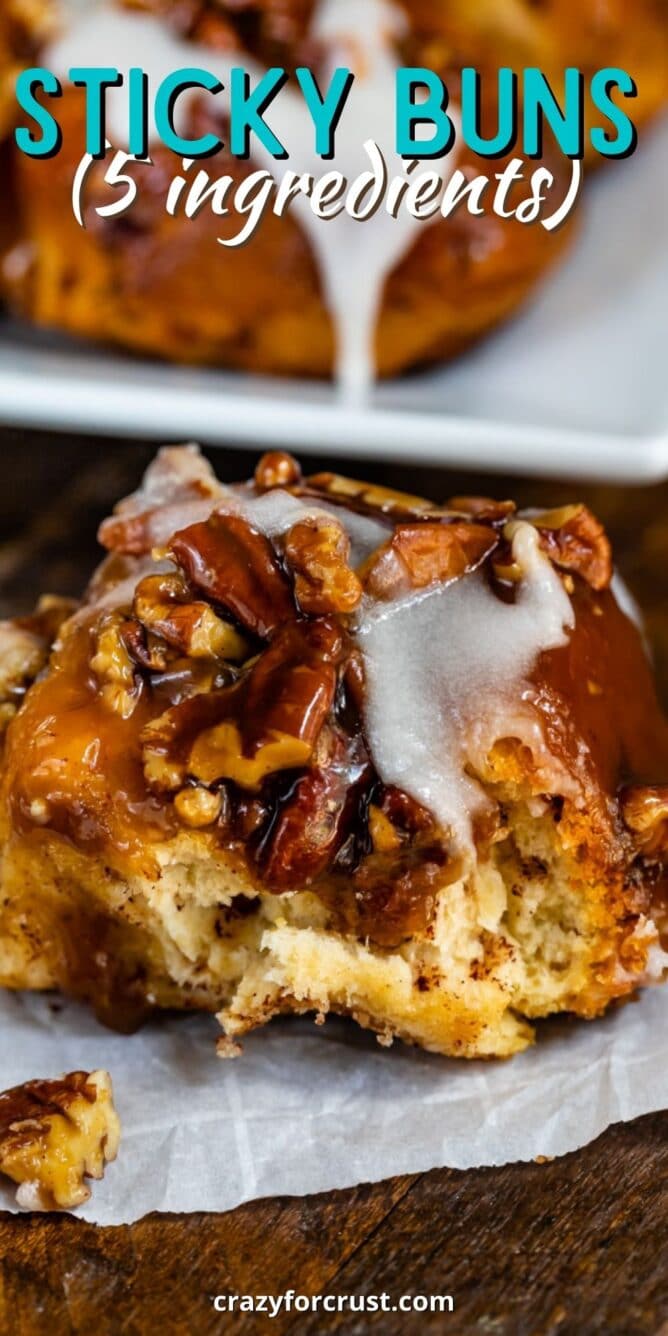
{"x":355,"y":259}
{"x":444,"y":679}
{"x":276,"y":512}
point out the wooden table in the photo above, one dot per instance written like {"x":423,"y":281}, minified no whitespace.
{"x":577,"y":1246}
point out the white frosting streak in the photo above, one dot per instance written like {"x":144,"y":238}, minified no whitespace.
{"x":444,"y":679}
{"x":355,"y":258}
{"x":275,"y":513}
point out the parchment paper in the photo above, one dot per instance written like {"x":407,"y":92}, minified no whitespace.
{"x":307,"y":1109}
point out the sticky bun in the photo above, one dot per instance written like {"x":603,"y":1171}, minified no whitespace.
{"x":163,"y":285}
{"x":54,"y":1135}
{"x":311,"y":746}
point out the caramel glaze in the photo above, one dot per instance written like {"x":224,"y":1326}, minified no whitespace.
{"x":71,"y":753}
{"x":75,"y":767}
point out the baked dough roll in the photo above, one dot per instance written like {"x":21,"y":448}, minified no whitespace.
{"x":290,"y":300}
{"x":309,"y":746}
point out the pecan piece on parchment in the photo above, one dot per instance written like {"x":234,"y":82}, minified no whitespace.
{"x":56,"y":1134}
{"x":425,"y":553}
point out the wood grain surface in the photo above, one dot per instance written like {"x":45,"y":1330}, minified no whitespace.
{"x":576,"y":1246}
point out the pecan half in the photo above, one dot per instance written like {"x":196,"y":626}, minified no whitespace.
{"x":645,"y":812}
{"x":317,"y":552}
{"x":426,"y":553}
{"x":268,"y":721}
{"x":164,"y":605}
{"x":54,"y":1135}
{"x":575,"y":541}
{"x":316,"y":815}
{"x":277,"y":469}
{"x":233,"y":564}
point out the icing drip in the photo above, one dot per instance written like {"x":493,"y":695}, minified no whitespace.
{"x":276,"y":512}
{"x":444,"y":673}
{"x":355,"y":259}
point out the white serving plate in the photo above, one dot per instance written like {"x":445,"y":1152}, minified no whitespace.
{"x":576,"y":386}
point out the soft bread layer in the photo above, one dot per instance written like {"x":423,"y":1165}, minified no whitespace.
{"x":529,"y":932}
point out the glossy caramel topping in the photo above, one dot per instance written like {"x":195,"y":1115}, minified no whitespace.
{"x":75,"y":766}
{"x":225,"y":692}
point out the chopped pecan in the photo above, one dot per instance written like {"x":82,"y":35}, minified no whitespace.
{"x":198,"y":807}
{"x":268,"y":721}
{"x":645,"y":812}
{"x":276,"y":712}
{"x":22,"y":656}
{"x":277,"y":469}
{"x":395,"y":893}
{"x":233,"y":564}
{"x":426,"y":553}
{"x":315,"y":817}
{"x":54,"y":1135}
{"x":575,"y":541}
{"x":385,"y":837}
{"x":219,"y":754}
{"x":148,"y":651}
{"x":164,"y":605}
{"x":114,"y":668}
{"x":317,"y":552}
{"x":167,"y":741}
{"x":482,"y":508}
{"x":367,"y":495}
